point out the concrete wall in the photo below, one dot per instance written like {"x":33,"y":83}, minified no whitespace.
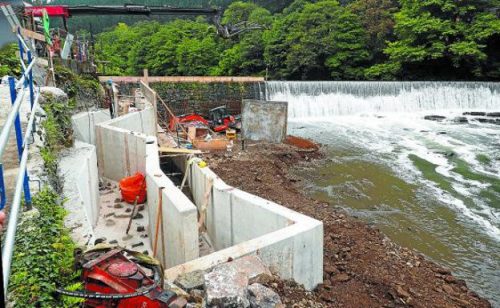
{"x":78,"y":167}
{"x":84,"y":124}
{"x":121,"y":145}
{"x":240,"y":223}
{"x":179,"y":232}
{"x":127,"y":145}
{"x":265,"y":121}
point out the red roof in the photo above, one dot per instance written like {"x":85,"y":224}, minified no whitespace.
{"x":52,"y":10}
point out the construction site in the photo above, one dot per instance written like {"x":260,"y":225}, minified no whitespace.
{"x":182,"y":191}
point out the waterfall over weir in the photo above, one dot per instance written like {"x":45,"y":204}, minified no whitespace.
{"x":323,"y":99}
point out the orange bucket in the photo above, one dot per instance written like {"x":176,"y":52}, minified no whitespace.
{"x":133,"y":187}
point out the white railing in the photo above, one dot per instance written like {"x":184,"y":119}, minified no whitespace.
{"x":18,"y":92}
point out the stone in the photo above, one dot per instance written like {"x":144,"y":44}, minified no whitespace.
{"x":137,"y":244}
{"x":138,"y":216}
{"x":191,"y":281}
{"x":262,"y":297}
{"x":450,"y":279}
{"x":226,"y":287}
{"x":174,"y":288}
{"x":110,"y":222}
{"x":448,"y":289}
{"x":54,"y":93}
{"x":118,"y":206}
{"x":460,"y":120}
{"x":343,"y":277}
{"x":401,"y":292}
{"x":442,"y":270}
{"x":434,"y":118}
{"x":475,"y":113}
{"x":140,"y":229}
{"x":196,"y":296}
{"x":100,"y":240}
{"x":179,"y":302}
{"x":252,"y":266}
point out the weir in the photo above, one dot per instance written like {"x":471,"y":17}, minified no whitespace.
{"x":315,"y":99}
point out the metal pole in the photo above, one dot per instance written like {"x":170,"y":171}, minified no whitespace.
{"x":3,"y":198}
{"x":19,"y":139}
{"x":32,"y":92}
{"x":8,"y":247}
{"x":7,"y":127}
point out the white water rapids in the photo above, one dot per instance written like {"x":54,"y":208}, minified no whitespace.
{"x":455,"y":164}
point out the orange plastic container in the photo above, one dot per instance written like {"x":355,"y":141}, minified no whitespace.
{"x":133,"y":187}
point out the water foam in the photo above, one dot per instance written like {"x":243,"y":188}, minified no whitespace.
{"x":326,"y":99}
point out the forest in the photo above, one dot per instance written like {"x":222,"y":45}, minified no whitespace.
{"x":312,"y":40}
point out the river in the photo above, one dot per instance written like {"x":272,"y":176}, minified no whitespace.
{"x":431,"y":185}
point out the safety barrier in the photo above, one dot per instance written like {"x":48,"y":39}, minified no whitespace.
{"x":17,"y":93}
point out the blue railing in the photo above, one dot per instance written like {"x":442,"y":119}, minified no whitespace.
{"x":18,"y":91}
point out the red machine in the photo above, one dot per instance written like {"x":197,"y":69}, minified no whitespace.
{"x":113,"y":280}
{"x":220,"y":120}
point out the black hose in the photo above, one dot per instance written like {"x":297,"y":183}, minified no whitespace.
{"x":114,"y":296}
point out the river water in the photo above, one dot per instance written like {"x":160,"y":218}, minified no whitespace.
{"x":429,"y":185}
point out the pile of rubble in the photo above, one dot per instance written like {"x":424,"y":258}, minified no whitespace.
{"x":239,"y":283}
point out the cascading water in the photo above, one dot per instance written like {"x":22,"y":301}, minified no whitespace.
{"x":430,"y":185}
{"x":331,"y":98}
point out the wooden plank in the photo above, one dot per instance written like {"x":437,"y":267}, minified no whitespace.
{"x":30,"y":34}
{"x":178,"y":151}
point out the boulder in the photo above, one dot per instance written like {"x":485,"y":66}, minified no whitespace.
{"x":252,"y":266}
{"x":226,"y":287}
{"x":475,"y":113}
{"x":57,"y":94}
{"x":262,"y":297}
{"x":434,"y":118}
{"x":191,"y":281}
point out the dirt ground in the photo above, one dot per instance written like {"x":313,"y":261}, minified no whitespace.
{"x":362,"y":267}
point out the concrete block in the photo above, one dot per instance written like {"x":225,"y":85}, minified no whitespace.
{"x":264,"y":121}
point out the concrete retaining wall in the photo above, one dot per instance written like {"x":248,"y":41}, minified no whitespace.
{"x":240,"y":223}
{"x":121,"y":145}
{"x":127,"y":145}
{"x":84,"y":124}
{"x":78,"y":167}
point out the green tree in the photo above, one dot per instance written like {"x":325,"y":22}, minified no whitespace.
{"x":377,"y":17}
{"x":245,"y":56}
{"x":443,"y":39}
{"x":320,"y":40}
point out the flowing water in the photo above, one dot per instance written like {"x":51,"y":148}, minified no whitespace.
{"x":429,"y":185}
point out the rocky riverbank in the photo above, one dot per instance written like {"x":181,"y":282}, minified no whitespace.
{"x":362,"y":267}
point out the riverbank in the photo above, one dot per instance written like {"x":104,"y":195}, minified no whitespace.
{"x":362,"y":267}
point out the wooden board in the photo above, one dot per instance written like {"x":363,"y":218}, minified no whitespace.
{"x":178,"y":151}
{"x":31,"y":34}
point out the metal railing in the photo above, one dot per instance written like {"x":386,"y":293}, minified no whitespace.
{"x":18,"y":91}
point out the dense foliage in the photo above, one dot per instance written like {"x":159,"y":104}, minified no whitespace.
{"x":9,"y":63}
{"x":325,"y":39}
{"x":43,"y":256}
